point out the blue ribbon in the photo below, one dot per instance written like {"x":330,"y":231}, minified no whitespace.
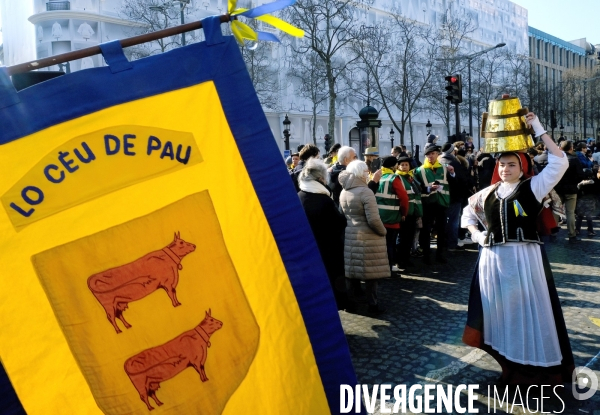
{"x":267,"y":8}
{"x":269,"y":37}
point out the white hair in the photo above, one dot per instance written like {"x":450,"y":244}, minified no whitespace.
{"x":314,"y":170}
{"x":357,"y":168}
{"x":344,"y":152}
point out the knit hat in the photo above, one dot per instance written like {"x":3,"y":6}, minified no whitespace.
{"x":431,"y":138}
{"x":389,"y":162}
{"x":447,"y":148}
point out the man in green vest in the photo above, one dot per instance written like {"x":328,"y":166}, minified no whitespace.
{"x":392,"y":201}
{"x":434,"y":179}
{"x":415,"y":210}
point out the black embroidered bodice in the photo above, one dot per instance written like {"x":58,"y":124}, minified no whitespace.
{"x":513,"y":219}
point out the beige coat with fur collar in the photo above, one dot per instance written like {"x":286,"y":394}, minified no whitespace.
{"x":365,"y":252}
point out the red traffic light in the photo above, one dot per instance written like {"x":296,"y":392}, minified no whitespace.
{"x":453,"y":79}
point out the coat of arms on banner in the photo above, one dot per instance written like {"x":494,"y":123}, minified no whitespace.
{"x":195,"y":343}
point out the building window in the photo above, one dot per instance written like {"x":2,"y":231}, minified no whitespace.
{"x":553,"y":54}
{"x":546,"y":52}
{"x":531,"y":47}
{"x":537,"y":48}
{"x":560,"y":54}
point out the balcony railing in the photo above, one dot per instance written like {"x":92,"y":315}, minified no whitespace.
{"x":58,"y":5}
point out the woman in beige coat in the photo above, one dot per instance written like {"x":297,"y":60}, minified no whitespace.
{"x":365,"y":252}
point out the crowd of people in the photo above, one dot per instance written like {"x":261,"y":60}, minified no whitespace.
{"x":371,"y":218}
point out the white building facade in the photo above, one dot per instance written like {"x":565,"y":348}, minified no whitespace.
{"x":65,"y":26}
{"x":62,"y":26}
{"x":496,"y":21}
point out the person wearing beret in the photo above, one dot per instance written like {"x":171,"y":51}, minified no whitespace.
{"x":415,"y":211}
{"x":434,"y":181}
{"x":392,"y":202}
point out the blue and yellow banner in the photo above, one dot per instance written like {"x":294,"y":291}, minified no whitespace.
{"x":145,"y":245}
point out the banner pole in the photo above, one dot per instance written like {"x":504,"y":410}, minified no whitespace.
{"x":95,"y":50}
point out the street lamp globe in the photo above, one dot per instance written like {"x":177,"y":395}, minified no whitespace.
{"x":428,"y":126}
{"x":392,"y":136}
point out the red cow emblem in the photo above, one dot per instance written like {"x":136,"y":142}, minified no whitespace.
{"x":149,"y":368}
{"x":115,"y":288}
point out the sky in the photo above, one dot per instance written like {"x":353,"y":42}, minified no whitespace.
{"x":567,"y":20}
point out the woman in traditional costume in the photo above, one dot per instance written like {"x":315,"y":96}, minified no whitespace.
{"x":514,"y":310}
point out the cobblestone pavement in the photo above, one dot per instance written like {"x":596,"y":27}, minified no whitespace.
{"x":418,"y":340}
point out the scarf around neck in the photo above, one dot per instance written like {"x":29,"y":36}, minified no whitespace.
{"x":313,"y":186}
{"x":385,"y":170}
{"x":428,"y":165}
{"x":405,"y":173}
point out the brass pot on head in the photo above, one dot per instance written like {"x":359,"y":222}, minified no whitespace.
{"x":504,"y":126}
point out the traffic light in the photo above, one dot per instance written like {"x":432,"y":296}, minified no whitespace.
{"x":553,"y":123}
{"x":454,"y":89}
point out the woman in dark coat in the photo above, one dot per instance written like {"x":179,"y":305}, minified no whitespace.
{"x":327,"y":224}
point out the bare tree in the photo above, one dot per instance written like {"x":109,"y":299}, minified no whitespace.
{"x":327,"y":26}
{"x":489,"y":73}
{"x":396,"y":57}
{"x":310,"y":74}
{"x":580,"y":100}
{"x":516,"y":75}
{"x":262,"y":68}
{"x":454,"y":32}
{"x":264,"y":73}
{"x":154,"y":15}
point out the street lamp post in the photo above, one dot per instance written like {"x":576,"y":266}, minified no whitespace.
{"x":428,"y":126}
{"x":469,"y":59}
{"x":392,"y":136}
{"x":286,"y":131}
{"x":368,"y":127}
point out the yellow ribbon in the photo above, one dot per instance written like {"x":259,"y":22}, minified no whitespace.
{"x":385,"y":170}
{"x":242,"y":31}
{"x":519,"y":211}
{"x":404,"y":173}
{"x":282,"y":25}
{"x":428,"y":165}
